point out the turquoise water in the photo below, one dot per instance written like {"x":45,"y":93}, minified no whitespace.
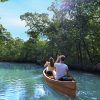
{"x":88,"y":86}
{"x":25,"y":82}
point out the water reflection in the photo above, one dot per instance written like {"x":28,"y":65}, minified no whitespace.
{"x":87,"y":86}
{"x":12,"y":91}
{"x":25,"y":82}
{"x":39,"y":91}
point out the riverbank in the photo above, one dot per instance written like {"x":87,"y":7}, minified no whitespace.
{"x":86,"y":68}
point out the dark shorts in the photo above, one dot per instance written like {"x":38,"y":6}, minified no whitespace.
{"x":64,"y":78}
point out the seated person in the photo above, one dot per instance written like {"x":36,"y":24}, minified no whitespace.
{"x":61,"y":69}
{"x":49,"y":66}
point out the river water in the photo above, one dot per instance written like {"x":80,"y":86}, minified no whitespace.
{"x":25,"y":82}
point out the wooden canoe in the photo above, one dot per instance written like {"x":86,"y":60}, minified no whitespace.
{"x":65,"y":87}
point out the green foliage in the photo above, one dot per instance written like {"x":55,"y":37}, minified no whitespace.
{"x":74,"y":30}
{"x":36,"y":23}
{"x":3,"y":0}
{"x":10,"y":49}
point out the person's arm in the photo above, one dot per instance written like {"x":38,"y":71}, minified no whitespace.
{"x":54,"y":71}
{"x":58,"y":59}
{"x":54,"y":66}
{"x":46,"y":64}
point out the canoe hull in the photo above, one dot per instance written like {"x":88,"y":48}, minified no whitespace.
{"x":65,"y":87}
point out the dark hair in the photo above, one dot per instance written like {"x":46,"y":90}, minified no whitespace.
{"x":51,"y":62}
{"x":62,"y":58}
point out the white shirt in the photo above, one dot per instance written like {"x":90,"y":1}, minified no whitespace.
{"x":61,"y":69}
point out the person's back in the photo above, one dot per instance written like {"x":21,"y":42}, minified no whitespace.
{"x":60,"y":68}
{"x":49,"y":65}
